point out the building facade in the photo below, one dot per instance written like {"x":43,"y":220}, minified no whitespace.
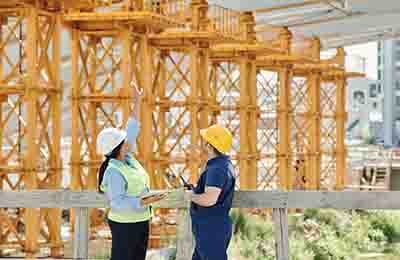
{"x":389,"y":82}
{"x":364,"y":108}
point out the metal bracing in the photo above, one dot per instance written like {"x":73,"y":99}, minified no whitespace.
{"x":226,"y":89}
{"x":30,"y":94}
{"x":197,"y":64}
{"x":272,"y":101}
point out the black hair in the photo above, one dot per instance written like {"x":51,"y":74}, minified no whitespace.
{"x":113,"y":155}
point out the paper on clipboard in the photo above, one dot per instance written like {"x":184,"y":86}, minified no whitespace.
{"x":149,"y":194}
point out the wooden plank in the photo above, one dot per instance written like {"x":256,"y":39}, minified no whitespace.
{"x":242,"y":199}
{"x":185,"y":243}
{"x":285,"y":233}
{"x":315,"y":199}
{"x":277,"y":233}
{"x":51,"y":199}
{"x":280,"y":217}
{"x":81,"y":233}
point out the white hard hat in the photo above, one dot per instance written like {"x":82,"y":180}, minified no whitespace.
{"x":109,"y":139}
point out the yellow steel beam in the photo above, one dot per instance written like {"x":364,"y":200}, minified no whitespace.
{"x":162,"y":167}
{"x":75,"y":104}
{"x":313,"y":159}
{"x":54,"y":216}
{"x":2,"y":134}
{"x":314,"y":133}
{"x":340,"y":123}
{"x":194,"y":109}
{"x":126,"y":74}
{"x":148,"y":105}
{"x":252,"y":125}
{"x":31,"y":157}
{"x":244,"y":140}
{"x":340,"y":133}
{"x":91,"y":181}
{"x":284,"y":126}
{"x":204,"y":87}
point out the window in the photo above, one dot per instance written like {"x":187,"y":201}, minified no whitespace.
{"x":379,"y":75}
{"x":397,"y":100}
{"x":372,"y":90}
{"x":358,"y":99}
{"x":397,"y":84}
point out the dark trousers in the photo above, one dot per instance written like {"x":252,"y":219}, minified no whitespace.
{"x":129,"y":240}
{"x":212,"y":239}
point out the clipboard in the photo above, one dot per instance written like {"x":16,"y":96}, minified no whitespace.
{"x":153,"y":193}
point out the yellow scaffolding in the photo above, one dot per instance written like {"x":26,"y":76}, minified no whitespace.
{"x":197,"y":64}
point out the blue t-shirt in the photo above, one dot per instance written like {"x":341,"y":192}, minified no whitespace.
{"x":218,"y":173}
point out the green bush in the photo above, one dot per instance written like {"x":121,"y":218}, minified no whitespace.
{"x":320,"y":235}
{"x":388,"y":222}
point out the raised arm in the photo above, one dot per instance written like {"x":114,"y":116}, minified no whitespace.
{"x":133,"y":127}
{"x":137,"y":100}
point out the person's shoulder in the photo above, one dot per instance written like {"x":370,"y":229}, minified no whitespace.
{"x":114,"y":175}
{"x":221,"y":169}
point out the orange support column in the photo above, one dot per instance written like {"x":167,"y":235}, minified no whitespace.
{"x":204,"y":88}
{"x":253,"y":126}
{"x":194,"y":109}
{"x":75,"y":97}
{"x":54,"y":217}
{"x":31,"y":157}
{"x":284,"y":117}
{"x":314,"y":136}
{"x":126,"y":75}
{"x":341,"y":117}
{"x":199,"y":75}
{"x":162,"y":166}
{"x":340,"y":132}
{"x":147,"y":140}
{"x":313,"y":159}
{"x":213,"y":83}
{"x":243,"y":112}
{"x":76,"y":181}
{"x":92,"y":115}
{"x":284,"y":110}
{"x":247,"y":23}
{"x":3,"y":98}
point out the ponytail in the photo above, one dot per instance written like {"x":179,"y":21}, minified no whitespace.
{"x":113,"y":155}
{"x":102,"y":170}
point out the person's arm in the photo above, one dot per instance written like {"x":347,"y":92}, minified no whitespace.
{"x":208,"y":198}
{"x":133,"y":126}
{"x":215,"y":182}
{"x":137,"y":100}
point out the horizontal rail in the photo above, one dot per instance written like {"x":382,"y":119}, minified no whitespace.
{"x":242,"y":199}
{"x":279,"y":201}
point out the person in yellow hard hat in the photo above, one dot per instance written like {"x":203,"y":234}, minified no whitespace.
{"x":124,"y":180}
{"x":212,"y":197}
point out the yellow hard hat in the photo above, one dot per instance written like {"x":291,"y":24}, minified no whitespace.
{"x":219,"y":137}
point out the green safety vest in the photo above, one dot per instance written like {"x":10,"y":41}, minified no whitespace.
{"x":137,"y":181}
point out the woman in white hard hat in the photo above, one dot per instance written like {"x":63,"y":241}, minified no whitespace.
{"x":123,"y":180}
{"x":212,"y":198}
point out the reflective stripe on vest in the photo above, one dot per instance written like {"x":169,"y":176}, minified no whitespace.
{"x":137,"y":182}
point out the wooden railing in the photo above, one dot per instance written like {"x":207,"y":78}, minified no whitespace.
{"x":278,"y":201}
